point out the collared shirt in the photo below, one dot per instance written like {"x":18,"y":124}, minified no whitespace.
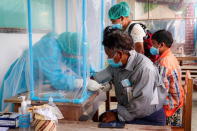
{"x":144,"y":76}
{"x":170,"y":72}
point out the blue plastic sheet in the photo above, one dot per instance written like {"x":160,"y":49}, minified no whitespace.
{"x":51,"y":63}
{"x":50,"y":66}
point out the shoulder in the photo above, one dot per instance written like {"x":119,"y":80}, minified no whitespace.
{"x":137,"y":30}
{"x":137,"y":26}
{"x":145,"y":62}
{"x":169,"y":62}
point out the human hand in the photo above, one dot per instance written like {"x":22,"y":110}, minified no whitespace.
{"x":92,"y":85}
{"x":109,"y":117}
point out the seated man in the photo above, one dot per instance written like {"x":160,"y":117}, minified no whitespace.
{"x":144,"y":105}
{"x":56,"y":61}
{"x":170,"y":72}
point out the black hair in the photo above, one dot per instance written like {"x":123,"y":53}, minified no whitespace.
{"x":117,"y":39}
{"x":163,"y":36}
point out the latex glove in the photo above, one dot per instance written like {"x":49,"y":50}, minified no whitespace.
{"x":106,"y":87}
{"x":93,"y":85}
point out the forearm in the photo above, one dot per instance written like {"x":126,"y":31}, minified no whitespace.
{"x":103,"y":76}
{"x":173,"y":99}
{"x":174,"y":92}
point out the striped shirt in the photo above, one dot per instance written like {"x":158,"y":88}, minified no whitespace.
{"x":170,"y":72}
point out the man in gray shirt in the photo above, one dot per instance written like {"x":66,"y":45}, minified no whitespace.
{"x":139,"y":90}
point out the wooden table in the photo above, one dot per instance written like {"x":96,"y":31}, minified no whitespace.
{"x":186,"y":58}
{"x":70,"y":111}
{"x":191,"y":68}
{"x":93,"y":126}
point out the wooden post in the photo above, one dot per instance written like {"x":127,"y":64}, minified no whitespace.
{"x":187,"y":108}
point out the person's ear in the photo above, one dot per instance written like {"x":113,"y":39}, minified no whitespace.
{"x":121,"y":18}
{"x":119,"y":55}
{"x":162,"y":44}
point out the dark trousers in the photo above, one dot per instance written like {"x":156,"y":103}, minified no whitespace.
{"x":157,"y":118}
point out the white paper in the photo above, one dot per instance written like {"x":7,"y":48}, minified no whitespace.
{"x":4,"y":128}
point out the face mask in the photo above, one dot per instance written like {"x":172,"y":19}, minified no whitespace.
{"x":154,"y":51}
{"x":117,"y":26}
{"x":113,"y":64}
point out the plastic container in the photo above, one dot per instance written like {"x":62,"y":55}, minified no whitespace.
{"x":24,"y":118}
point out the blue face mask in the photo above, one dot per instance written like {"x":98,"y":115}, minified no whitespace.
{"x":113,"y":64}
{"x":154,"y":51}
{"x":117,"y":26}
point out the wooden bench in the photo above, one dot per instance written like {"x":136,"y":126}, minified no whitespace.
{"x":186,"y":58}
{"x":187,"y":107}
{"x":192,"y":69}
{"x":191,"y":66}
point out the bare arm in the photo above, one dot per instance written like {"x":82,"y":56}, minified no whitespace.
{"x":139,"y":47}
{"x":138,"y":34}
